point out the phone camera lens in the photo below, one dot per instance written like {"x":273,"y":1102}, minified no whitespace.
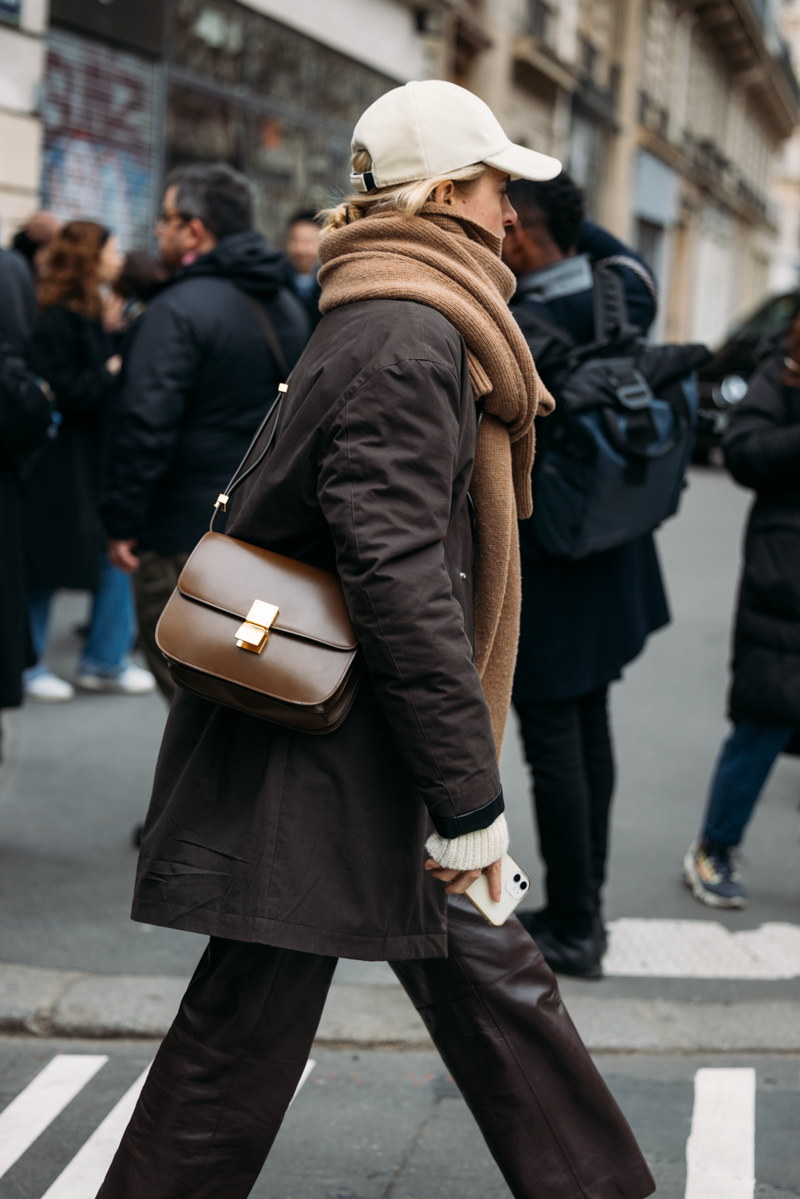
{"x":516,"y":878}
{"x":522,"y":886}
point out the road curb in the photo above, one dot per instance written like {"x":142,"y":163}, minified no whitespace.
{"x":71,"y":1003}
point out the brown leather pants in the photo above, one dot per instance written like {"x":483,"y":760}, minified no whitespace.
{"x":227,"y":1069}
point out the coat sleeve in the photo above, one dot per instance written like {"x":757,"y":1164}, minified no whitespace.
{"x":160,"y":374}
{"x":58,"y":352}
{"x":385,"y":487}
{"x":762,"y":450}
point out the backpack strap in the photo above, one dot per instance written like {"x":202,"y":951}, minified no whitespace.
{"x":611,"y":321}
{"x":632,"y":264}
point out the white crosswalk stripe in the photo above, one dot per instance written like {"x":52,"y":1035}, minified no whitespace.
{"x":720,"y":1152}
{"x":27,"y":1116}
{"x":86,"y":1171}
{"x":701,"y":949}
{"x":35,"y":1108}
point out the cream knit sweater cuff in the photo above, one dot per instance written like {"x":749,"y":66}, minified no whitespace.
{"x":473,"y":851}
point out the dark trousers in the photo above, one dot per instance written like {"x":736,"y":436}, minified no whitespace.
{"x":153,"y":584}
{"x":568,"y":747}
{"x":746,"y":758}
{"x":226,"y":1072}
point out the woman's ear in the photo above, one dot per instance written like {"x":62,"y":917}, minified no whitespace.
{"x":443,"y":193}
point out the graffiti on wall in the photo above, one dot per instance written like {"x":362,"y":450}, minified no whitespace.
{"x":99,"y":113}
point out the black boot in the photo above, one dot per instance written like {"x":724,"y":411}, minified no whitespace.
{"x":564,"y":951}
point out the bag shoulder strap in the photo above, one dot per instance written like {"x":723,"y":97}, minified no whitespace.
{"x":223,"y":499}
{"x":270,"y":336}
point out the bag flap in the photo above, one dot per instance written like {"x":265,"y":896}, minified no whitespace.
{"x":230,"y":575}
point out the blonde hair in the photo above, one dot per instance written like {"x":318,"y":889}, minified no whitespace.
{"x":404,"y":198}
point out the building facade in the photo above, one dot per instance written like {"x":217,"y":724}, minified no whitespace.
{"x":671,"y":114}
{"x":23,"y":24}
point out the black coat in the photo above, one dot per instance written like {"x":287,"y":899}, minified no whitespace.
{"x":762,"y":451}
{"x":17,"y":300}
{"x":24,"y":420}
{"x":198,"y":379}
{"x":316,"y":843}
{"x":582,"y":621}
{"x":63,"y":531}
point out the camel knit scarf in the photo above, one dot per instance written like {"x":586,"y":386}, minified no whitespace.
{"x":453,"y":265}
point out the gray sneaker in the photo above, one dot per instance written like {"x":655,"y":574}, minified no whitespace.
{"x":710,"y":874}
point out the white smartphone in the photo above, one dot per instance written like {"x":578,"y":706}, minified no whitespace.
{"x":514,"y":884}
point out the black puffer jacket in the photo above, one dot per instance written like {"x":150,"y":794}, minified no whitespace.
{"x":198,"y":380}
{"x":762,"y":451}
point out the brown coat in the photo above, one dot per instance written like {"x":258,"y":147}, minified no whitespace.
{"x":315,"y":843}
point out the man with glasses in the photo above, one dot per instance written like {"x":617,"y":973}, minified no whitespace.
{"x":198,"y":378}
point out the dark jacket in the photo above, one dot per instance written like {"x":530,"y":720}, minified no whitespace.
{"x":582,"y":621}
{"x":63,"y":531}
{"x":762,"y":451}
{"x":309,"y":297}
{"x":316,"y":842}
{"x":17,"y":300}
{"x":24,"y":421}
{"x":199,"y":377}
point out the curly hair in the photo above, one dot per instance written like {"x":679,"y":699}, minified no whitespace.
{"x":559,"y":203}
{"x":70,"y":275}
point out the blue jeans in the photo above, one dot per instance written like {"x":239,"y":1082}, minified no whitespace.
{"x":112,"y":627}
{"x":744,"y":763}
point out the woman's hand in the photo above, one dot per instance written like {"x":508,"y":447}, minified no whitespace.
{"x":114,"y":364}
{"x":458,"y":881}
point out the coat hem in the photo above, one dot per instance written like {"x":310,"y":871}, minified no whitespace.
{"x":283,"y":935}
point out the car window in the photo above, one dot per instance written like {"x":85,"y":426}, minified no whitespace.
{"x":775,"y":316}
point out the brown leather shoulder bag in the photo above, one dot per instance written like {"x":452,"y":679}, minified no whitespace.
{"x":259,"y":632}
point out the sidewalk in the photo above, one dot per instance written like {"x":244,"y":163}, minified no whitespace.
{"x":70,"y":1003}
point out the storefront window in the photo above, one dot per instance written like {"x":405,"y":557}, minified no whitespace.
{"x":209,"y":38}
{"x":279,"y":106}
{"x":201,"y":128}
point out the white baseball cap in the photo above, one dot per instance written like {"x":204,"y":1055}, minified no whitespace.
{"x":426,"y":129}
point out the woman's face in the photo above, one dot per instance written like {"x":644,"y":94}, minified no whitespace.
{"x":484,"y":201}
{"x":111,"y":262}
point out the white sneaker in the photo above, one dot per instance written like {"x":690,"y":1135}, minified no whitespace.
{"x":47,"y":688}
{"x":130,"y":681}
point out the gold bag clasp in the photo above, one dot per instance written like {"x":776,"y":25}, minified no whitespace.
{"x":253,"y":634}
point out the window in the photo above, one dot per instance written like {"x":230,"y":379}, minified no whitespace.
{"x":10,"y":11}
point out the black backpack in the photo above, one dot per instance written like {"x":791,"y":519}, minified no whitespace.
{"x":613,"y":462}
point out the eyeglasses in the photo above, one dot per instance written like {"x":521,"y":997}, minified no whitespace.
{"x":165,"y":218}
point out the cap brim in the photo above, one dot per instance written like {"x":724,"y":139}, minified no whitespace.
{"x":522,"y":163}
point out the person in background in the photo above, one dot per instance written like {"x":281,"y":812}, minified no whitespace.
{"x":582,"y":621}
{"x":762,"y":452}
{"x":70,"y":348}
{"x":25,"y":412}
{"x":302,"y":247}
{"x":33,"y":238}
{"x":140,"y":279}
{"x":198,"y":379}
{"x":17,"y":300}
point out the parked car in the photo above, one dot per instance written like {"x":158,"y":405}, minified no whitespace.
{"x":723,"y":381}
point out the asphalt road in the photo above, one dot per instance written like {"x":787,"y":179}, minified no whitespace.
{"x":79,"y":776}
{"x":375,"y":1124}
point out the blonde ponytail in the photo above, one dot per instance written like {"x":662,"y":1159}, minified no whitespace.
{"x":404,"y":198}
